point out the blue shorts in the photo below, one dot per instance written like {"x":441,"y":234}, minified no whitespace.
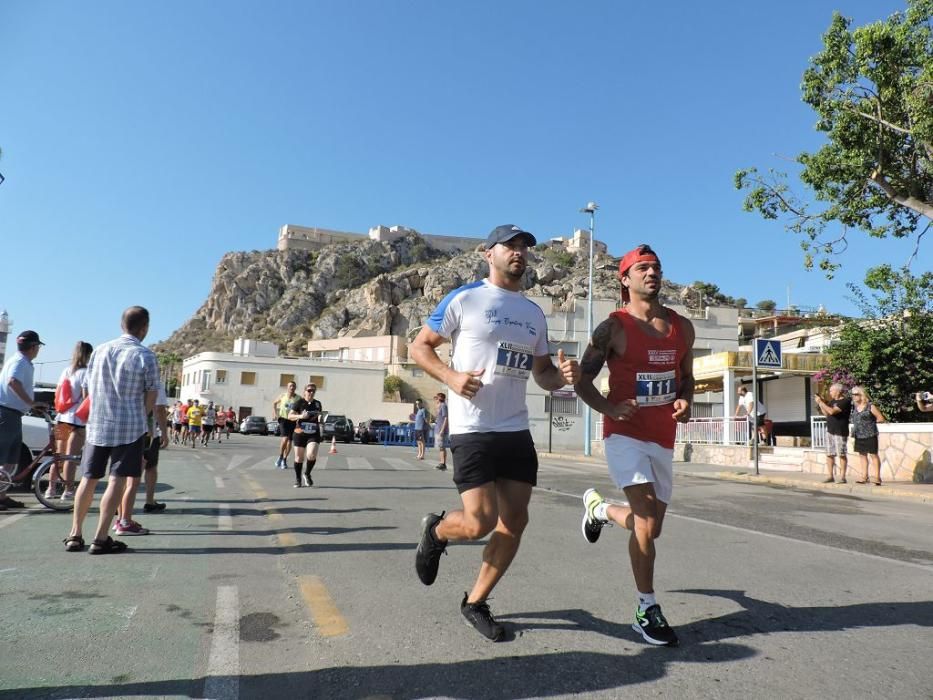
{"x":11,"y":435}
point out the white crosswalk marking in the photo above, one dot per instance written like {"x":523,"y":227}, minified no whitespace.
{"x":358,"y":463}
{"x":402,"y":465}
{"x":236,"y":461}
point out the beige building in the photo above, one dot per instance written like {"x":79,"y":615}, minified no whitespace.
{"x":292,"y":237}
{"x":253,"y":376}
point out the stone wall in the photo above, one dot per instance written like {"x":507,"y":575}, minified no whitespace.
{"x":726,"y":455}
{"x":904,"y":449}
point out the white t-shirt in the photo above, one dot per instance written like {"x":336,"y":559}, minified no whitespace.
{"x":498,"y":331}
{"x":748,"y":401}
{"x":77,"y":381}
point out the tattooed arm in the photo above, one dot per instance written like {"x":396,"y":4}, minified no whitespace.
{"x":607,"y":338}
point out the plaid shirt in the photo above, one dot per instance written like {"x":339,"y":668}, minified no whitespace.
{"x":119,"y":374}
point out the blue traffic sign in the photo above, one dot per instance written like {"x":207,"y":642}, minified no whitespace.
{"x":768,"y":353}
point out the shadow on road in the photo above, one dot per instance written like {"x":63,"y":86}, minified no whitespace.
{"x":539,"y":675}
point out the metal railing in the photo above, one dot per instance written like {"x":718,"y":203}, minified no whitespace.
{"x":714,"y":431}
{"x":818,"y":431}
{"x":702,"y":431}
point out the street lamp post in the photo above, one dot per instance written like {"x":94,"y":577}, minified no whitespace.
{"x":590,"y":209}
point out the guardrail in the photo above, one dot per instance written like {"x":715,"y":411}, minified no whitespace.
{"x":403,"y":435}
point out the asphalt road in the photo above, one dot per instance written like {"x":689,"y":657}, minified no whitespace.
{"x":250,"y":588}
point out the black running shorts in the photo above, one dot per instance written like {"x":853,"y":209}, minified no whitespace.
{"x":302,"y":439}
{"x":286,"y":427}
{"x":125,"y":460}
{"x":483,"y":457}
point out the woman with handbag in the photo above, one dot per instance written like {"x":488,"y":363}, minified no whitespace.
{"x":69,"y":425}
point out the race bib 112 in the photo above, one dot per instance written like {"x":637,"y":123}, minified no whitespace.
{"x":514,"y":359}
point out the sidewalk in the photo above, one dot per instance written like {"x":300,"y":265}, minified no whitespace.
{"x":900,"y":490}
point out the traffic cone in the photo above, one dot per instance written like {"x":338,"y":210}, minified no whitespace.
{"x":333,"y":445}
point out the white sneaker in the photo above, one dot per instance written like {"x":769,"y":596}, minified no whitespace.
{"x":50,"y":492}
{"x":69,"y":495}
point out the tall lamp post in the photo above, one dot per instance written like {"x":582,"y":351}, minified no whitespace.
{"x":590,"y":209}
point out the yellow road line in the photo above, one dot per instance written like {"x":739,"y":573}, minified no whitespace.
{"x":324,"y":612}
{"x":274,"y":515}
{"x":287,"y":539}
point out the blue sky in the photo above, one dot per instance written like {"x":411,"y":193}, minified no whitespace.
{"x":142,"y":141}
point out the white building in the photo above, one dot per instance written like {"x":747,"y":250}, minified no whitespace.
{"x":253,"y":376}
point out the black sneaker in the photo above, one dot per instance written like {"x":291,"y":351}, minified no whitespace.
{"x":654,"y":627}
{"x":478,"y":615}
{"x":441,"y":467}
{"x":154,"y":507}
{"x":428,"y":556}
{"x":12,"y":503}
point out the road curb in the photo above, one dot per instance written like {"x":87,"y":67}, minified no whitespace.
{"x":854,"y":489}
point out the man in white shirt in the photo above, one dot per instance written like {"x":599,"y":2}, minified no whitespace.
{"x":747,"y":403}
{"x":16,"y":398}
{"x":499,"y":340}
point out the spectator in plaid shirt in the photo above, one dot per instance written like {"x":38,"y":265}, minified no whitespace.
{"x":122,"y":380}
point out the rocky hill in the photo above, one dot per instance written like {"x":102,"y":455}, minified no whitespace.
{"x":290,"y":297}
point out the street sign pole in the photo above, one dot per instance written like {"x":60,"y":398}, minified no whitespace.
{"x":754,"y":426}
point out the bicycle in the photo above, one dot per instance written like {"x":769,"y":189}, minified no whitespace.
{"x":35,"y":475}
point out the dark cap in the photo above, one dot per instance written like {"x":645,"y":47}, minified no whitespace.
{"x":505,"y":233}
{"x":29,"y":338}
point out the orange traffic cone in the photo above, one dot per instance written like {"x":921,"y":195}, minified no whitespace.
{"x":333,"y":445}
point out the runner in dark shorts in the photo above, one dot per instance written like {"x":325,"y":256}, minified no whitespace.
{"x":306,"y":417}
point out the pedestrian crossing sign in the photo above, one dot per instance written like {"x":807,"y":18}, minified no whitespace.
{"x":767,"y":353}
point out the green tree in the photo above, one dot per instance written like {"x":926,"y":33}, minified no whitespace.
{"x":741,"y":302}
{"x":768,"y":305}
{"x":891,"y":350}
{"x":872,"y":90}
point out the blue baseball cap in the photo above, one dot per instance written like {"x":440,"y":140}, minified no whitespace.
{"x":505,"y":233}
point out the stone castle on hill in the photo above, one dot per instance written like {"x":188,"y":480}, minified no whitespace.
{"x":292,"y":237}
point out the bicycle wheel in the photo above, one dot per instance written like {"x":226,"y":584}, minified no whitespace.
{"x":40,"y":482}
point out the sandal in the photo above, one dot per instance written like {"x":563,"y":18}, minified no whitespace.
{"x":108,"y":546}
{"x":841,"y":481}
{"x":74,"y":543}
{"x":876,"y":483}
{"x":862,"y":481}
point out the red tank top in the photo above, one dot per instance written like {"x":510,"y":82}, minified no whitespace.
{"x":649,"y":372}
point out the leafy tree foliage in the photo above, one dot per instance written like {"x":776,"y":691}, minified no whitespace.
{"x":768,"y":305}
{"x":891,"y":351}
{"x":872,"y":90}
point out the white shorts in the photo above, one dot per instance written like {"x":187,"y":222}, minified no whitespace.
{"x":634,"y":462}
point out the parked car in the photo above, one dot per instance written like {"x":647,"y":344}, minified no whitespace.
{"x":371,"y":430}
{"x":254,"y":425}
{"x":337,"y":426}
{"x":273,"y":427}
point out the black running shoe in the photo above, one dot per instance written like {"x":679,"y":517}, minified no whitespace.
{"x":154,"y":507}
{"x":654,"y":627}
{"x":478,"y":615}
{"x":428,"y":556}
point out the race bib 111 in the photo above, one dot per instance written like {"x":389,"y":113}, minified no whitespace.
{"x":655,"y":388}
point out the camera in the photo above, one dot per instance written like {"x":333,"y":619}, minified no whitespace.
{"x":925,"y":396}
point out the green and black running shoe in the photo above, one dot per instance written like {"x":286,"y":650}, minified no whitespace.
{"x":654,"y":627}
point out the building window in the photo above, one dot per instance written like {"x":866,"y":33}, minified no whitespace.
{"x":571,"y":348}
{"x":205,"y":380}
{"x":317,"y":380}
{"x":562,"y":405}
{"x":221,"y":376}
{"x":417,"y":372}
{"x":248,"y":378}
{"x":285,"y":379}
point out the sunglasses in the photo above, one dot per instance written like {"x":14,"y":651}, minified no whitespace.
{"x":311,"y":390}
